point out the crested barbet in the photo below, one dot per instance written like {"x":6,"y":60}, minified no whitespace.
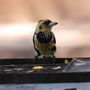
{"x":44,"y":40}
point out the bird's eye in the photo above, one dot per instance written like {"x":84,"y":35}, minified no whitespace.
{"x":47,"y":22}
{"x":40,"y":27}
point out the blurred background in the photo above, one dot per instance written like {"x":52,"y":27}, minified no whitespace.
{"x":18,"y":19}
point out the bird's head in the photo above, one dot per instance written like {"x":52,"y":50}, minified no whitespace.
{"x":45,"y":25}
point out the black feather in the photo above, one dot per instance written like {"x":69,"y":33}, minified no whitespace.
{"x":37,"y":51}
{"x":47,"y":22}
{"x":40,"y":27}
{"x":42,"y":38}
{"x":34,"y":46}
{"x":54,"y":40}
{"x":53,"y":48}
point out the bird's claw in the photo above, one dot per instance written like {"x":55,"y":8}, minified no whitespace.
{"x":35,"y":59}
{"x":53,"y":59}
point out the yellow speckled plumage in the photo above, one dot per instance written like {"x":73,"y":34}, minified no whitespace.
{"x":45,"y":47}
{"x":44,"y":39}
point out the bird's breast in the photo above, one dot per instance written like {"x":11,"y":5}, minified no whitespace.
{"x":44,"y":37}
{"x":44,"y":47}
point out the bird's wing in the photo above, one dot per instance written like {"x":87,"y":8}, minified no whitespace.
{"x":34,"y":40}
{"x":54,"y":39}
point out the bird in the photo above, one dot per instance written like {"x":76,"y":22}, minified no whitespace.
{"x":44,"y":39}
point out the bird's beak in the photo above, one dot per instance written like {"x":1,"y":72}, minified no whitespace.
{"x":52,"y":24}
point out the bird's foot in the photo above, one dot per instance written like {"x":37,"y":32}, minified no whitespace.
{"x":53,"y":59}
{"x":35,"y":59}
{"x":49,"y":59}
{"x":44,"y":59}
